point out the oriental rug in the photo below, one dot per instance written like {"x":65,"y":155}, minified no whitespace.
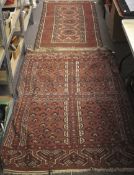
{"x":68,"y":24}
{"x":73,"y":113}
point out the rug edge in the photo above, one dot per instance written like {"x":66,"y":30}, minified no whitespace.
{"x":93,"y":170}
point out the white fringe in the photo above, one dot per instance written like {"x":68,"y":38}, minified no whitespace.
{"x":69,"y":1}
{"x":95,"y":170}
{"x":67,"y":49}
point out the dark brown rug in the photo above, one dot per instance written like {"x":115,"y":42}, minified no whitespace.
{"x":68,"y":24}
{"x":73,"y":113}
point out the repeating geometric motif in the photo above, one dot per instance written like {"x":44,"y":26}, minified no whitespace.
{"x":74,"y":115}
{"x":68,"y":24}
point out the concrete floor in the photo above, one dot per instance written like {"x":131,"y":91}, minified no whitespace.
{"x":120,"y":48}
{"x":31,"y":33}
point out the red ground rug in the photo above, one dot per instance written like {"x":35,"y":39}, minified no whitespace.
{"x":72,"y":113}
{"x":72,"y":24}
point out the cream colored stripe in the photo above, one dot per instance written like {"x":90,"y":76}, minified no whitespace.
{"x":66,"y":121}
{"x":94,"y":25}
{"x":80,"y":124}
{"x":77,"y":77}
{"x":80,"y":1}
{"x":84,"y":25}
{"x":12,"y":172}
{"x":52,"y":49}
{"x":66,"y":78}
{"x":53,"y":25}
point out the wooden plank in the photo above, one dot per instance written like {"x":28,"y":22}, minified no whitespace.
{"x":14,"y":17}
{"x":5,"y":99}
{"x":14,"y":61}
{"x":27,"y":18}
{"x":3,"y":77}
{"x":117,"y":8}
{"x":2,"y":55}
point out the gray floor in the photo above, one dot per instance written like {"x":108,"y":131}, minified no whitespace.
{"x":121,"y":49}
{"x":31,"y":33}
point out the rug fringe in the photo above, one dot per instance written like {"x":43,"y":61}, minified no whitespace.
{"x":51,"y":172}
{"x":47,"y":50}
{"x":67,"y":49}
{"x":80,"y":1}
